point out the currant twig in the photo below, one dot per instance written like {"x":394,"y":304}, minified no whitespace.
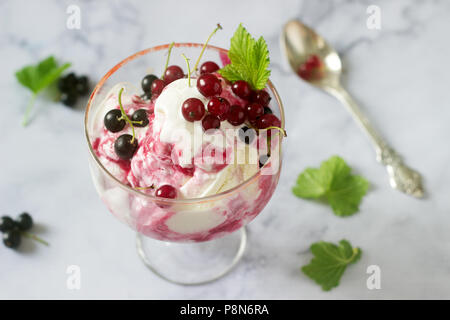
{"x":204,"y":46}
{"x":167,"y":61}
{"x":28,"y":110}
{"x":34,"y":237}
{"x":189,"y":69}
{"x":124,"y":115}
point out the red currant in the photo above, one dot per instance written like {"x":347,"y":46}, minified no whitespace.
{"x":158,"y":86}
{"x":210,"y":122}
{"x":305,"y":72}
{"x":219,"y":107}
{"x":193,"y":109}
{"x":173,"y":73}
{"x":209,"y":85}
{"x":254,"y":111}
{"x":313,"y":62}
{"x":166,"y":191}
{"x":268,"y":120}
{"x":208,"y":67}
{"x":261,"y":96}
{"x":236,"y":115}
{"x":241,"y":89}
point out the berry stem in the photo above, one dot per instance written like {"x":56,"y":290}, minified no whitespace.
{"x":167,"y":61}
{"x":145,"y":188}
{"x":34,"y":237}
{"x":124,"y":115}
{"x":279,"y":129}
{"x":204,"y":46}
{"x":189,"y":69}
{"x":30,"y":105}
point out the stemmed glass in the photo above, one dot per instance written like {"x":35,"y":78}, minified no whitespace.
{"x":212,"y":237}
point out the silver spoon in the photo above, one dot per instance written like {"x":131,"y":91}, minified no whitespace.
{"x":300,"y":42}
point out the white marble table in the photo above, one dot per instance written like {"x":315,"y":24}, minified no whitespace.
{"x":398,"y":73}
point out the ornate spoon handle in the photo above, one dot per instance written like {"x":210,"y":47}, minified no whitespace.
{"x":401,"y":177}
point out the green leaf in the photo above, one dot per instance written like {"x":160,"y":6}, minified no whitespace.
{"x":249,"y":60}
{"x":330,"y":262}
{"x":334,"y":183}
{"x":38,"y":77}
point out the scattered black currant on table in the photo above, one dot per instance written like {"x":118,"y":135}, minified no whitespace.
{"x":24,"y":222}
{"x":13,"y":230}
{"x":72,"y":87}
{"x":69,"y":98}
{"x":6,"y":224}
{"x":12,"y":238}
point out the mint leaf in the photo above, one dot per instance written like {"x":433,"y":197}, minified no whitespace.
{"x":249,"y":60}
{"x":330,"y":262}
{"x":334,"y":183}
{"x":38,"y":77}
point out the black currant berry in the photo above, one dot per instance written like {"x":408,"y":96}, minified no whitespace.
{"x":140,"y":115}
{"x":67,"y":83}
{"x":125,"y":146}
{"x":263,"y":160}
{"x":246,"y":134}
{"x":82,"y":85}
{"x":24,"y":222}
{"x":6,"y":224}
{"x":113,"y":121}
{"x":267,"y":110}
{"x":69,"y":98}
{"x":12,"y":238}
{"x":146,"y":84}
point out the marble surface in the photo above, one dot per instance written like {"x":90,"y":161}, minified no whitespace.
{"x":399,"y":74}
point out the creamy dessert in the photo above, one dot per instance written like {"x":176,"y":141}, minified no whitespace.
{"x":188,"y":137}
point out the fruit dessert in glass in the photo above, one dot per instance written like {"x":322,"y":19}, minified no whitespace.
{"x":187,"y":158}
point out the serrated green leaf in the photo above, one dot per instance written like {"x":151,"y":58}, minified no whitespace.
{"x":40,"y":76}
{"x":249,"y":60}
{"x":334,"y":183}
{"x":330,"y":262}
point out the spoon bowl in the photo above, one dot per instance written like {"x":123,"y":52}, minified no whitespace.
{"x":299,"y":42}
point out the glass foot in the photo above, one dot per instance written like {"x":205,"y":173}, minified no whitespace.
{"x":192,"y":263}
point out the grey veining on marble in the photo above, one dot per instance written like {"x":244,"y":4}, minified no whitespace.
{"x":399,"y":75}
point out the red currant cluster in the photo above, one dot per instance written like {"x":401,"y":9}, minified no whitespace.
{"x":257,"y":112}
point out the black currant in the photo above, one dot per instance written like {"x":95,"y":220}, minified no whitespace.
{"x":12,"y":238}
{"x":140,"y":115}
{"x":113,"y":121}
{"x":267,"y":110}
{"x":125,"y":146}
{"x":6,"y":224}
{"x":24,"y":222}
{"x":69,"y":98}
{"x":146,"y":84}
{"x":263,"y":160}
{"x":246,"y":134}
{"x":67,"y":83}
{"x":82,"y":85}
